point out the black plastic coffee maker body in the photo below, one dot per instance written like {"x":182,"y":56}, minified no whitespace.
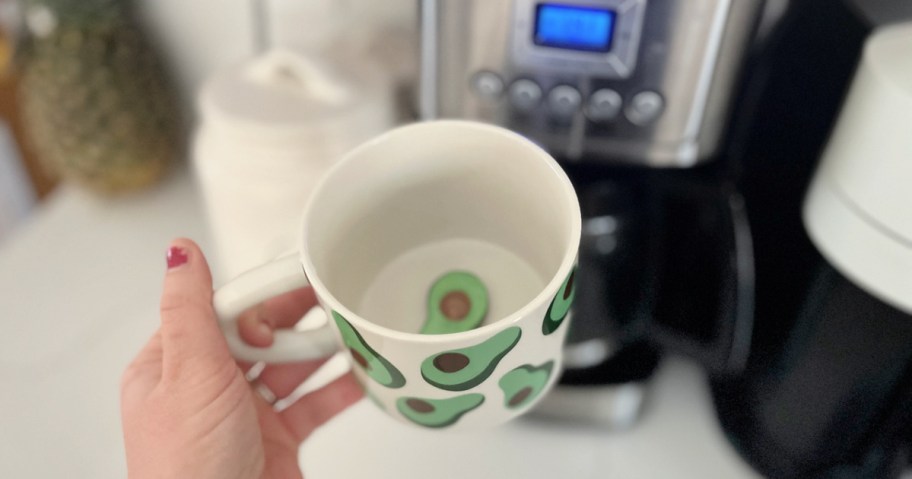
{"x":827,"y":392}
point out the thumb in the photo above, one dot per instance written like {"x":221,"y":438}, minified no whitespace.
{"x":190,"y":336}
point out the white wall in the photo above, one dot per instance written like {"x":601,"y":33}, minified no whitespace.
{"x":199,"y":36}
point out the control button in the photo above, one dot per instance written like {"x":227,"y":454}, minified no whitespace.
{"x":645,"y":107}
{"x":487,"y":85}
{"x":525,"y":94}
{"x":564,"y":100}
{"x":604,"y":105}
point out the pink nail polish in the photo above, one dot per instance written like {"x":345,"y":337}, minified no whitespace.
{"x":176,"y":256}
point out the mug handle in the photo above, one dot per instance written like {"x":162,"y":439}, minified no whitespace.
{"x":255,"y":286}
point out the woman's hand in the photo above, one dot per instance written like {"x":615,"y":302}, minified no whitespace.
{"x":187,"y":409}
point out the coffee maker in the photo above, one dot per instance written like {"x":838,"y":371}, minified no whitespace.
{"x":632,"y":97}
{"x":691,"y":130}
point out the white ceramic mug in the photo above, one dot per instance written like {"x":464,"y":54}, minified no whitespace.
{"x":396,"y":213}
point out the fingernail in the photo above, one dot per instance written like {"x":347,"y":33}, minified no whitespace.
{"x":176,"y":256}
{"x":264,"y":328}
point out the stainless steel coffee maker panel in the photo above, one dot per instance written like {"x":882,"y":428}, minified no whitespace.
{"x":657,"y":97}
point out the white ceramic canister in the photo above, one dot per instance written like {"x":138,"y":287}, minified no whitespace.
{"x":269,"y":128}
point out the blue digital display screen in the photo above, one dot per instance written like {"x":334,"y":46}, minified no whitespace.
{"x":573,"y":27}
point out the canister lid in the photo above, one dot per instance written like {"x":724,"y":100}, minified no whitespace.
{"x":285,"y":96}
{"x":859,"y":209}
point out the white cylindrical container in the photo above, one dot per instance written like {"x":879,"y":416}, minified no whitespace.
{"x":268,"y":130}
{"x":858,"y":211}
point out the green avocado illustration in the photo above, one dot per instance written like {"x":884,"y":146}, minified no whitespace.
{"x":438,"y":412}
{"x":522,"y":385}
{"x":457,"y":301}
{"x":560,"y":305}
{"x":375,"y":365}
{"x":465,"y":368}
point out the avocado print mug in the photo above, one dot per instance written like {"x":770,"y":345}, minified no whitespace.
{"x":391,"y":218}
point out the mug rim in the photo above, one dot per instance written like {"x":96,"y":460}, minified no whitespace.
{"x":545,"y":295}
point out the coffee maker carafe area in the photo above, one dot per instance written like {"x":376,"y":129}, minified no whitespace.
{"x":666,"y":264}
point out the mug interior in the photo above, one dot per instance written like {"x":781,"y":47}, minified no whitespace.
{"x":437,"y":196}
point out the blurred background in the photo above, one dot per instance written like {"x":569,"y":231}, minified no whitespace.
{"x":186,"y":43}
{"x":744,"y":302}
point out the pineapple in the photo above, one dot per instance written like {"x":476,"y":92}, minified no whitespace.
{"x":96,"y":101}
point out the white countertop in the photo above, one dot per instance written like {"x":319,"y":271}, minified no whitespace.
{"x":79,"y":286}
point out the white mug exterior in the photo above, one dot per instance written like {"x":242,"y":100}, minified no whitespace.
{"x":473,"y":379}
